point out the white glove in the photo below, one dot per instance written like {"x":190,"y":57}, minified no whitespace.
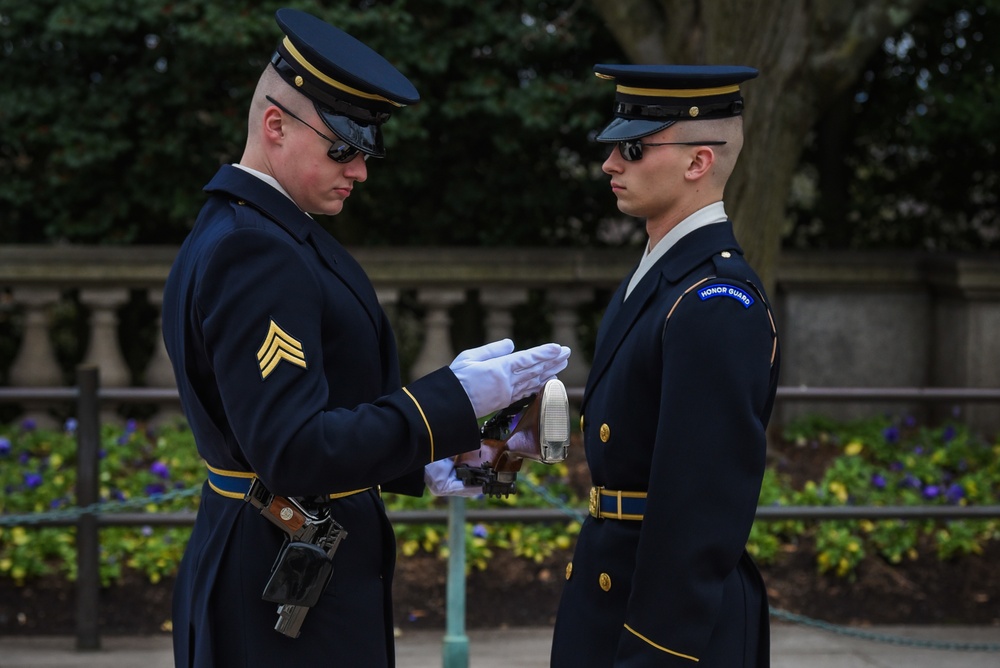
{"x":441,"y":480}
{"x":494,"y":376}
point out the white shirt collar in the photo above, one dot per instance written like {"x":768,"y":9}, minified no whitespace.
{"x":713,"y":213}
{"x":266,"y":178}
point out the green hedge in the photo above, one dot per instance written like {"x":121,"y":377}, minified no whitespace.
{"x":873,"y":462}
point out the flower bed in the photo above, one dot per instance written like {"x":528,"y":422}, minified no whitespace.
{"x":874,"y":462}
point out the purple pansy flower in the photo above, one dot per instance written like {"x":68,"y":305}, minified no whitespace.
{"x":878,"y":480}
{"x":71,"y":425}
{"x":955,"y":493}
{"x":4,"y":446}
{"x":891,"y":434}
{"x":931,"y":491}
{"x":948,"y":434}
{"x":28,"y":424}
{"x":32,"y":480}
{"x":479,"y":531}
{"x":160,"y":469}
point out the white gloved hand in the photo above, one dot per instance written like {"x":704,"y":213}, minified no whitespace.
{"x":441,"y":480}
{"x":494,"y":376}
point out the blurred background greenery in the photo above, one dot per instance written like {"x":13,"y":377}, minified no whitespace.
{"x":114,"y":114}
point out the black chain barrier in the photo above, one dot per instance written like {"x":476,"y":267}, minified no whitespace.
{"x":576,"y":514}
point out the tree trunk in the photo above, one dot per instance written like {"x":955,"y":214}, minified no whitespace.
{"x":807,"y":51}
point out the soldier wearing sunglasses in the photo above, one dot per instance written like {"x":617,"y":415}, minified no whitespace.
{"x":289,"y":377}
{"x":678,"y":398}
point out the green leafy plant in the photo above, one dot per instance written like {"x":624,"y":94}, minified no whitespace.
{"x":894,"y":462}
{"x":878,"y":462}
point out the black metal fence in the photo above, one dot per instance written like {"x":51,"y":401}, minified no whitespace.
{"x":89,"y":397}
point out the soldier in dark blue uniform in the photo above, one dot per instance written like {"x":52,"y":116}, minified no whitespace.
{"x":678,"y":398}
{"x":288,"y":372}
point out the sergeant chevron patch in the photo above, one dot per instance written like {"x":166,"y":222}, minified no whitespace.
{"x":279,"y":345}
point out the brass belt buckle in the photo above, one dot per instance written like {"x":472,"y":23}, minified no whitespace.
{"x":595,"y":502}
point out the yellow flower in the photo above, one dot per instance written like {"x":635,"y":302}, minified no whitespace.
{"x":55,"y":460}
{"x":854,"y":448}
{"x":839,"y":490}
{"x":19,"y":535}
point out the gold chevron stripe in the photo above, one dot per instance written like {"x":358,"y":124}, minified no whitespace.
{"x":279,"y":345}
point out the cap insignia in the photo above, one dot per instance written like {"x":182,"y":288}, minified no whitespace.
{"x":692,"y":112}
{"x":277,"y":346}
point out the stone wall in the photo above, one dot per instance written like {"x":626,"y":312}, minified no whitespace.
{"x":870,"y":320}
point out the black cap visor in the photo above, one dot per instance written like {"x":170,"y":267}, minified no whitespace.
{"x":366,"y":137}
{"x":624,"y":129}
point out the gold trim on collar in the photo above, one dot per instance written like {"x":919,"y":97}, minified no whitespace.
{"x":294,"y":53}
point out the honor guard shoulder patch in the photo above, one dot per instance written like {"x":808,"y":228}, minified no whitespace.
{"x":726,"y":290}
{"x":279,"y":345}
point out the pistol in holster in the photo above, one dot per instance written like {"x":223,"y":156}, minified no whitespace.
{"x":304,"y":565}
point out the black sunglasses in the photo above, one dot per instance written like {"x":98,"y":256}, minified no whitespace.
{"x":631,"y":149}
{"x":340,"y":151}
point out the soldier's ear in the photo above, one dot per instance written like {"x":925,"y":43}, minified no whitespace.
{"x":701,"y":163}
{"x":273,"y":124}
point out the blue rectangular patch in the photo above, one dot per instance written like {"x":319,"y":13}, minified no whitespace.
{"x":726,"y":290}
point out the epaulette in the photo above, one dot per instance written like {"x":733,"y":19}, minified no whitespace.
{"x":730,"y":281}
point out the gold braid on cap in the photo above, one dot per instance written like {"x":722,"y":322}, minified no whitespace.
{"x":294,"y":53}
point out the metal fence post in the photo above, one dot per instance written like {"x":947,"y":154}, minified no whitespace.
{"x":88,"y":439}
{"x":456,"y":642}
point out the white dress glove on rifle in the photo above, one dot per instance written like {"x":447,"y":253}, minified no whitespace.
{"x":494,"y":376}
{"x":441,"y":480}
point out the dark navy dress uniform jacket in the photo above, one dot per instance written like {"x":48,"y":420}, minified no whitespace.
{"x":677,"y":409}
{"x":287,"y":368}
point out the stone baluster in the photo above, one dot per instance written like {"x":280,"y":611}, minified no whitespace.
{"x":565,"y":302}
{"x":159,"y":372}
{"x":388,"y":298}
{"x":436,"y":351}
{"x":104,"y":350}
{"x":36,"y":364}
{"x":498,"y":303}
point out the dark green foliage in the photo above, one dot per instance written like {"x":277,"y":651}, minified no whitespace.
{"x":114,"y":114}
{"x":909,"y":159}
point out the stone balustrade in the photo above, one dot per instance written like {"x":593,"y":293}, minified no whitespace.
{"x":845,"y":319}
